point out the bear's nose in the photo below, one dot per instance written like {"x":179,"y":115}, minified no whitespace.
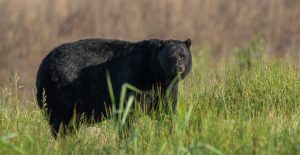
{"x":178,"y":67}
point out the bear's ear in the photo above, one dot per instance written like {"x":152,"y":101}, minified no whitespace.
{"x":188,"y":43}
{"x":161,"y":44}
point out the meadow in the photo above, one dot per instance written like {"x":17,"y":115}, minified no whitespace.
{"x":240,"y":108}
{"x":241,"y":96}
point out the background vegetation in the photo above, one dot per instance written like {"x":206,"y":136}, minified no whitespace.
{"x":32,"y":28}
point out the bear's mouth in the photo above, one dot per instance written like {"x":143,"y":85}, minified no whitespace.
{"x":177,"y":70}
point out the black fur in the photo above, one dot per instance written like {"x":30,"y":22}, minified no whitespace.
{"x":74,"y":74}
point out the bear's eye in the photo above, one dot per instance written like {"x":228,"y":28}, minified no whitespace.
{"x":182,"y":57}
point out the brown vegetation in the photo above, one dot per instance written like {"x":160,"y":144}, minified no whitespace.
{"x":30,"y":29}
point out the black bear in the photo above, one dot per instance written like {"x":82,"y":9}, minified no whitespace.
{"x":73,"y":75}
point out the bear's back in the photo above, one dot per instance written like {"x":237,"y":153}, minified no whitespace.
{"x":67,"y":60}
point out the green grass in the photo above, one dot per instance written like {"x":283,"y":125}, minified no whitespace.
{"x":249,"y":110}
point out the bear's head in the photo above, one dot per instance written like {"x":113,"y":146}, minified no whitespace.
{"x":173,"y":57}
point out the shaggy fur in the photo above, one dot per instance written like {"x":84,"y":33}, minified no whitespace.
{"x":74,"y":74}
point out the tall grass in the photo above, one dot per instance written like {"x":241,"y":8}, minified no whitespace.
{"x":236,"y":110}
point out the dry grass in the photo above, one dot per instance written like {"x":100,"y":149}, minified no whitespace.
{"x":30,"y":29}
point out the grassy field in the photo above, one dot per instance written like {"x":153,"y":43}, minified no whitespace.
{"x":221,"y":110}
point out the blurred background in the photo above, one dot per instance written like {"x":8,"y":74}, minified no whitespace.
{"x":220,"y":30}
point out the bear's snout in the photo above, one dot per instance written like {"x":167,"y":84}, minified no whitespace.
{"x":178,"y":68}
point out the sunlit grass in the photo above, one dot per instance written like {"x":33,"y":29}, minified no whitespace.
{"x":233,"y":110}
